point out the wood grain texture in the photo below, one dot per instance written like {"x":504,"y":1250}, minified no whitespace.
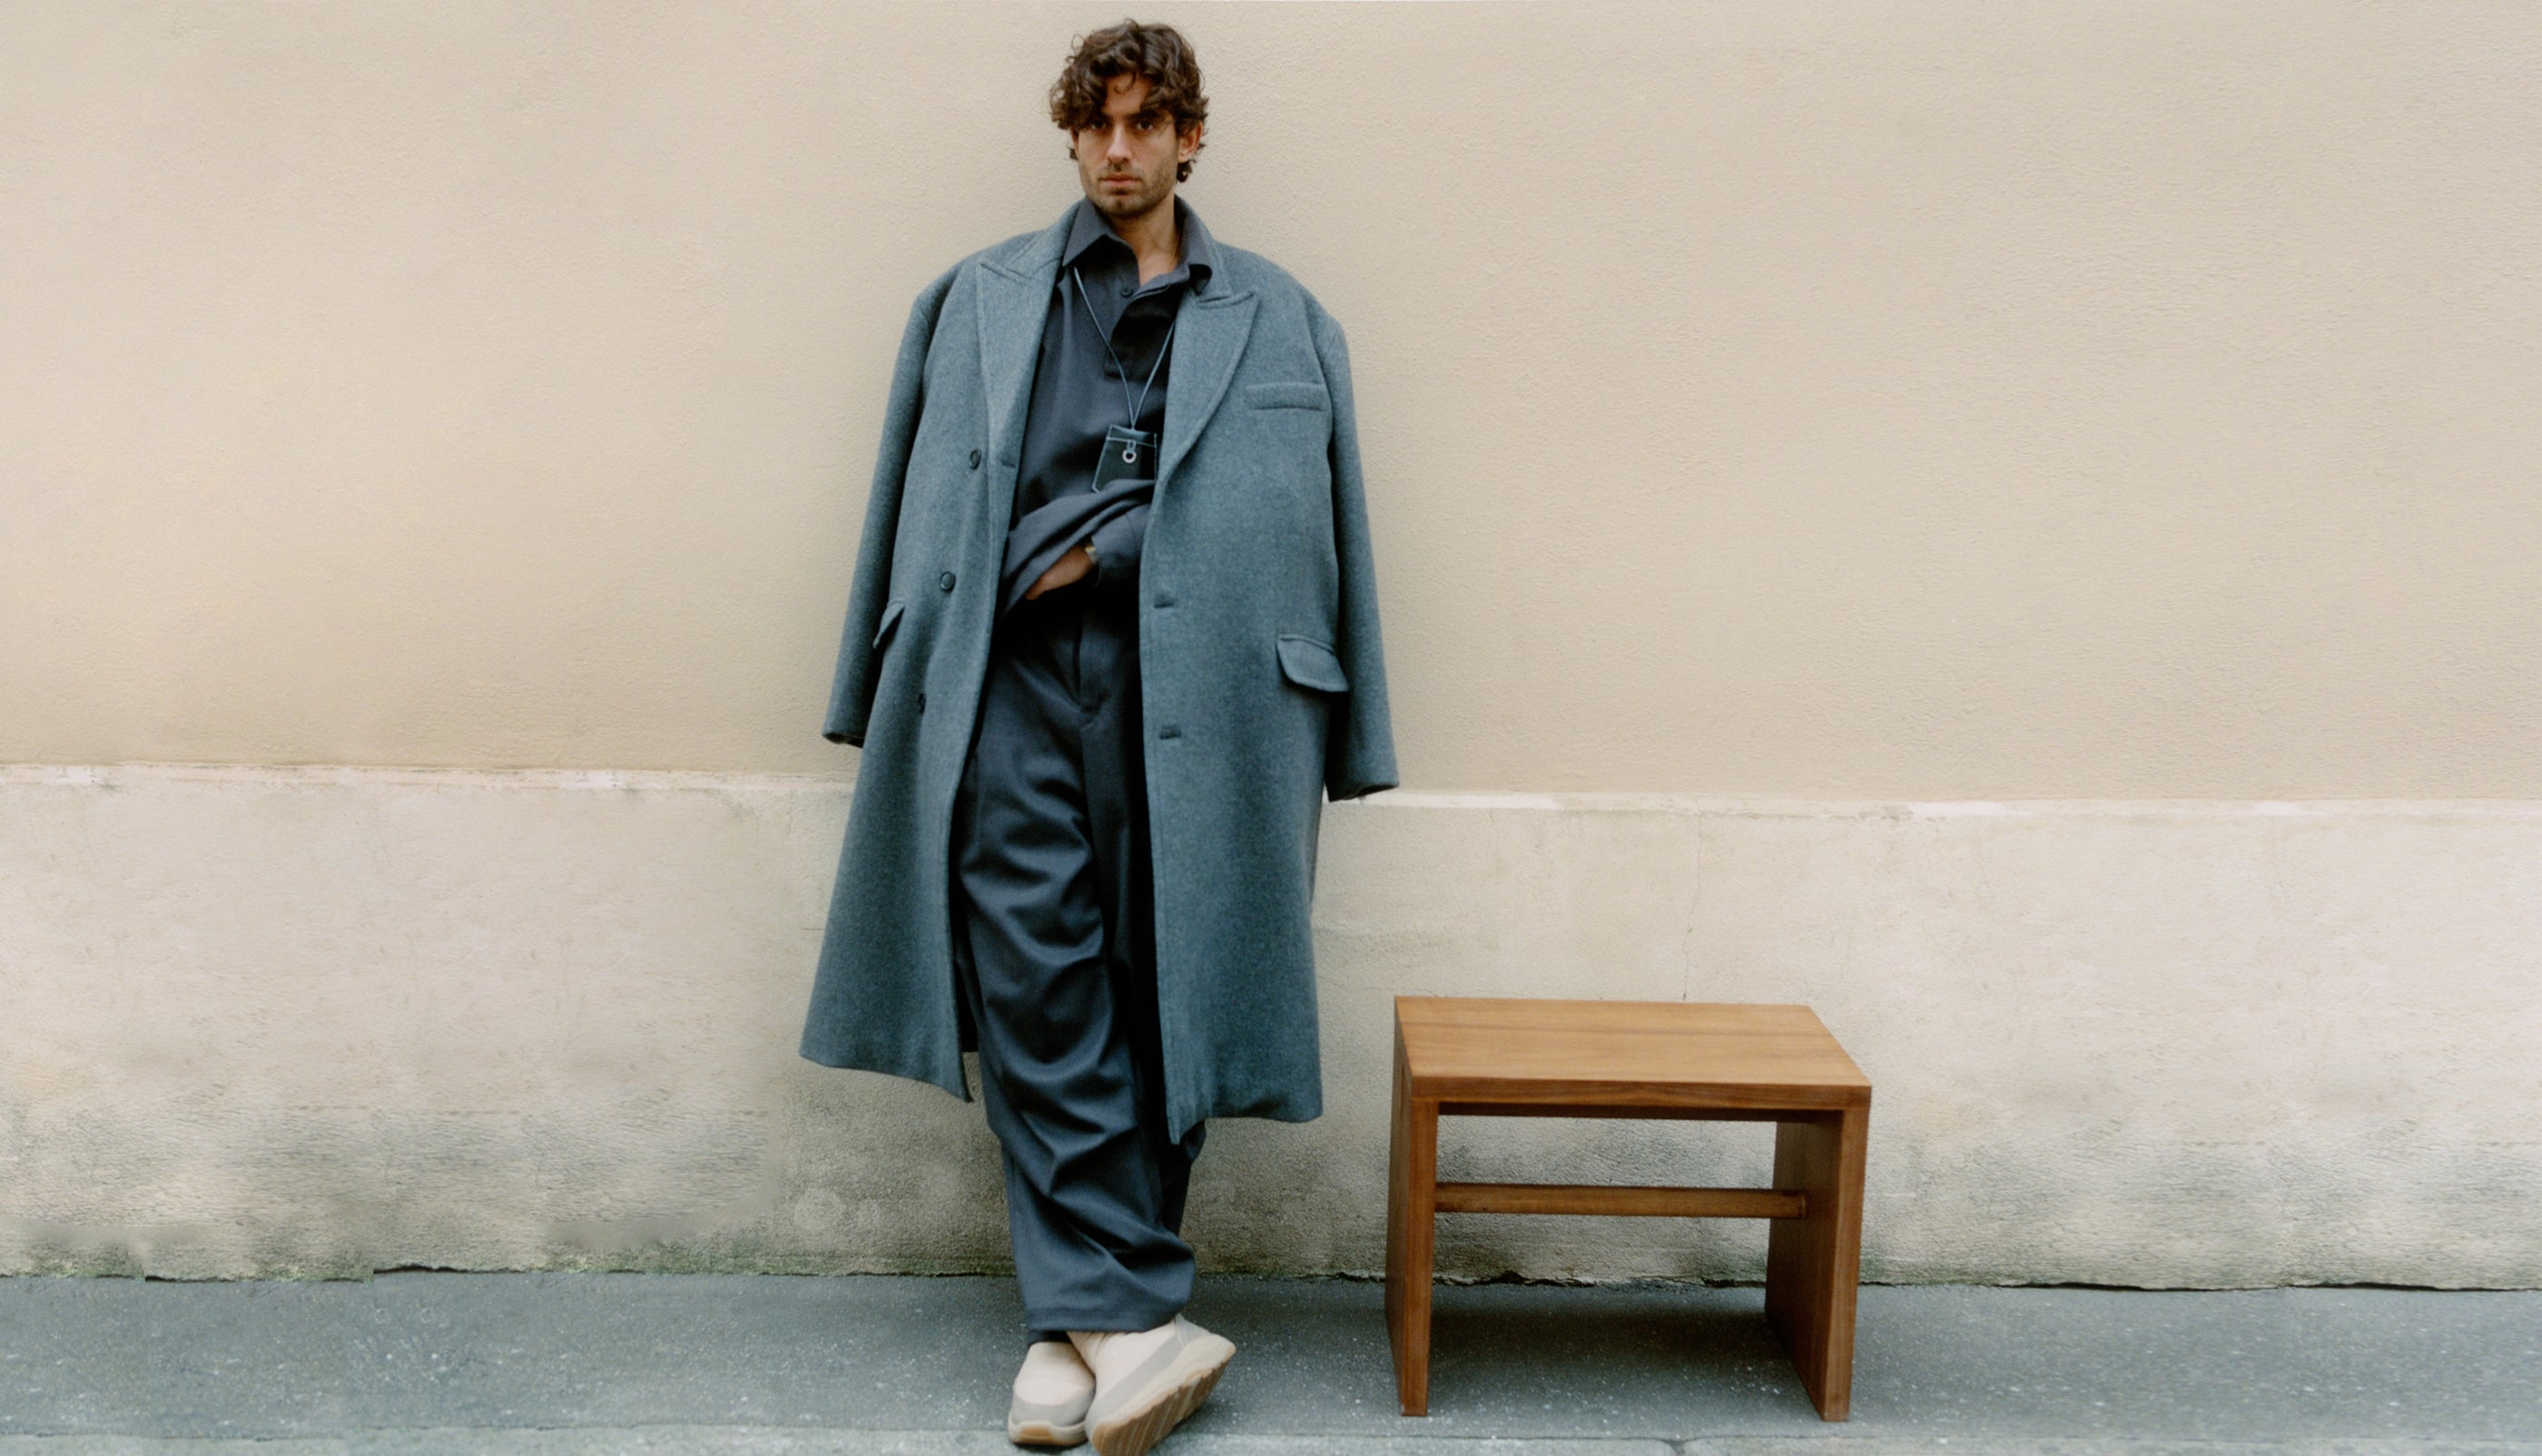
{"x":1410,"y":1235}
{"x":1814,"y":1262}
{"x":1633,"y":1054}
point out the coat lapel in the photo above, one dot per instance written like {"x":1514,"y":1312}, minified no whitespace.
{"x":1014,"y":299}
{"x":1209,"y":338}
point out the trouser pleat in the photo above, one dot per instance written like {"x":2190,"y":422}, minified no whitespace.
{"x":1055,"y":952}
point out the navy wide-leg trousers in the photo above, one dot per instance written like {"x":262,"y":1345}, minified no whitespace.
{"x":1055,"y":943}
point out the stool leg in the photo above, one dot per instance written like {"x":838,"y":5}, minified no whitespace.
{"x":1814,"y":1262}
{"x":1412,"y":1201}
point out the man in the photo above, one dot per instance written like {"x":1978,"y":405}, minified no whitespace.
{"x":1112,"y":635}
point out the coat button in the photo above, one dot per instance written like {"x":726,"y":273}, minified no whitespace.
{"x":975,"y":460}
{"x":1169,"y":731}
{"x":1164,"y":599}
{"x":946,"y":581}
{"x":1129,"y":288}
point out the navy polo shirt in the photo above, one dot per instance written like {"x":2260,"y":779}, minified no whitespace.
{"x":1078,"y":384}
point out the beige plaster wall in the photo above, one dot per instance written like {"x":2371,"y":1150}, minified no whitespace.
{"x":1879,"y":399}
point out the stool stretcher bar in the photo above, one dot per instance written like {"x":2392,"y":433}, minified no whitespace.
{"x":1610,"y":1200}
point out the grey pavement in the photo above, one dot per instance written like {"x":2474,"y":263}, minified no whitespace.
{"x":565,"y":1365}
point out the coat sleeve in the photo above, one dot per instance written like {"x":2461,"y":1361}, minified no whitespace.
{"x":1118,"y":543}
{"x":852,"y":688}
{"x":1359,"y":755}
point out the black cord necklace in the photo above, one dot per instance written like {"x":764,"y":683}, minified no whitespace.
{"x":1129,"y":451}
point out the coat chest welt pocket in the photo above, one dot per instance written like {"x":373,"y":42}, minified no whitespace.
{"x":1310,"y":664}
{"x":1285,"y":395}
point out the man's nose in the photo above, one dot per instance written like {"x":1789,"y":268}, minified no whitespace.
{"x":1118,"y":147}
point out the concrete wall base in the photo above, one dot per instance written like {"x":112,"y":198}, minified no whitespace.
{"x":321,"y":1022}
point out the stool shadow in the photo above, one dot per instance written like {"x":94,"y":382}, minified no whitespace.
{"x":1509,"y":1344}
{"x":1506,"y":1358}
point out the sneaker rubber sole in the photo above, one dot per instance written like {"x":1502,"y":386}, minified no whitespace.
{"x":1045,"y":1433}
{"x":1176,"y":1393}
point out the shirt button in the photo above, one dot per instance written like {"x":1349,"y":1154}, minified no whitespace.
{"x":946,"y":581}
{"x":975,"y":460}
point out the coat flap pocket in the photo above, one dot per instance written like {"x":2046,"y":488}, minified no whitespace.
{"x":1310,"y":664}
{"x":890,"y":620}
{"x":1282,"y":395}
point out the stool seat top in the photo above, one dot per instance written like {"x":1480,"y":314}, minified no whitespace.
{"x":1627,"y":1053}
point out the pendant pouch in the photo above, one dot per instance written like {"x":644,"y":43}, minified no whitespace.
{"x":1128,"y":455}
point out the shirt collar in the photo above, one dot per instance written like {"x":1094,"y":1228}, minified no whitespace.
{"x":1086,"y":229}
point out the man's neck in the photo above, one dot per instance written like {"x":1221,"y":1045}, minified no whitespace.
{"x":1153,"y":238}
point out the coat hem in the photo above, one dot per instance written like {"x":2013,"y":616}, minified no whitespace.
{"x":960,"y":1088}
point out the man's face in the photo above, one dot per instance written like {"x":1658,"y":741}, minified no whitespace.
{"x":1126,"y":161}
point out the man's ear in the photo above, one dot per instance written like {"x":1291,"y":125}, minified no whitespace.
{"x":1187,"y":143}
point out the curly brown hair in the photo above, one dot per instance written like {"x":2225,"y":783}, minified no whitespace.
{"x":1155,"y":55}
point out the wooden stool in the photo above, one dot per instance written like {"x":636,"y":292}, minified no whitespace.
{"x":1638,"y":1059}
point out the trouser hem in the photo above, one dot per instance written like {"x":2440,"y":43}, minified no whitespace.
{"x":1041,"y":1321}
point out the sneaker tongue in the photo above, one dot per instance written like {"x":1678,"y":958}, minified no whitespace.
{"x":1118,"y":1355}
{"x":1052,"y":1375}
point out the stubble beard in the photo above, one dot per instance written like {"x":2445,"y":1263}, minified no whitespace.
{"x":1131,"y":206}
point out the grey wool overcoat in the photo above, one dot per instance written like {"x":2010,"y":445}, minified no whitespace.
{"x":1263,"y":681}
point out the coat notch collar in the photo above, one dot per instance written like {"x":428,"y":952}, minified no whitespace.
{"x":1209,"y":338}
{"x":1014,"y":299}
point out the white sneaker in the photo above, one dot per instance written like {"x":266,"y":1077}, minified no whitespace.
{"x":1051,"y":1395}
{"x":1133,"y":1409}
